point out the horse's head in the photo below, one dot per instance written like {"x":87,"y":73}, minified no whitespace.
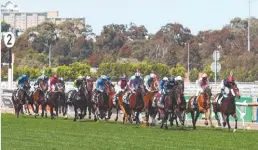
{"x":207,"y":91}
{"x":234,"y":91}
{"x":26,"y":86}
{"x":142,"y":90}
{"x":42,"y":85}
{"x":60,"y":87}
{"x":89,"y":85}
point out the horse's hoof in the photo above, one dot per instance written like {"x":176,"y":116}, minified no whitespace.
{"x":166,"y":127}
{"x":219,"y":124}
{"x":89,"y":117}
{"x":74,"y":119}
{"x":116,"y":119}
{"x":206,"y":123}
{"x":95,"y":119}
{"x":224,"y":124}
{"x":52,"y":118}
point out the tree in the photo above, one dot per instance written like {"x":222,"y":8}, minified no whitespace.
{"x":4,"y":26}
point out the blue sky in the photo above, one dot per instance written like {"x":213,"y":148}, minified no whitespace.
{"x":194,"y":14}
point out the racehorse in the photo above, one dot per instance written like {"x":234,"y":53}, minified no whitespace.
{"x":179,"y":105}
{"x":62,"y":102}
{"x":54,"y":99}
{"x":79,"y":100}
{"x":101,"y":106}
{"x":89,"y":88}
{"x":38,"y":98}
{"x":203,"y":106}
{"x":227,"y":107}
{"x":132,"y":104}
{"x":19,"y":98}
{"x":148,"y":99}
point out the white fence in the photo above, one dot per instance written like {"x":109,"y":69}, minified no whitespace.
{"x":246,"y":89}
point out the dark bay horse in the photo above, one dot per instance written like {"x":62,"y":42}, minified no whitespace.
{"x":62,"y":102}
{"x":133,"y":104}
{"x":79,"y":100}
{"x":38,"y":98}
{"x":227,"y":107}
{"x":54,"y":99}
{"x":103,"y":107}
{"x":19,"y":97}
{"x":178,"y":105}
{"x":203,"y":106}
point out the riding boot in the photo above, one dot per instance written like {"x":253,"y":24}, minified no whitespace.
{"x":160,"y":102}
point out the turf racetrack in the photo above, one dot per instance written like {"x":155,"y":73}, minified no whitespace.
{"x":27,"y":133}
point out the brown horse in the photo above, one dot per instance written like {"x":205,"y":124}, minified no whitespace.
{"x":227,"y":107}
{"x":54,"y":99}
{"x":152,"y":109}
{"x":154,"y":88}
{"x":179,"y":106}
{"x":133,"y":104}
{"x":203,"y":106}
{"x":38,"y":97}
{"x":101,"y":107}
{"x":19,"y":98}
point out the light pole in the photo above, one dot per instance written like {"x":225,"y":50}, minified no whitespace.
{"x":249,"y":23}
{"x":188,"y":58}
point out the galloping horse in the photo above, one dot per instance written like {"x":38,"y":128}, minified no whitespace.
{"x":18,"y":98}
{"x":101,"y":107}
{"x":203,"y":106}
{"x":62,"y":102}
{"x":79,"y":100}
{"x":227,"y":106}
{"x":179,"y":105}
{"x":54,"y":99}
{"x":89,"y":88}
{"x":38,"y":97}
{"x":154,"y":88}
{"x":132,"y":104}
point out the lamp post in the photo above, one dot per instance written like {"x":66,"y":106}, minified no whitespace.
{"x":249,"y":23}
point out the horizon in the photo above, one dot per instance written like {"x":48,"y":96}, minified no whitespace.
{"x":113,"y":12}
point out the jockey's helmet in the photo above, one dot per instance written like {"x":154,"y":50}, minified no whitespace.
{"x":179,"y":78}
{"x":152,"y":75}
{"x":56,"y":76}
{"x":137,"y":74}
{"x":24,"y":75}
{"x":204,"y":76}
{"x":88,"y":78}
{"x":172,"y":79}
{"x":103,"y":77}
{"x":165,"y":78}
{"x":61,"y":79}
{"x":231,"y":79}
{"x":108,"y":78}
{"x":123,"y":78}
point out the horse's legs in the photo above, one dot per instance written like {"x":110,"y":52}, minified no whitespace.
{"x":117,"y":110}
{"x":228,"y":123}
{"x":209,"y":116}
{"x":137,"y":117}
{"x":19,"y":107}
{"x":147,"y":115}
{"x":234,"y":115}
{"x":56,"y":109}
{"x":224,"y":119}
{"x":52,"y":111}
{"x":217,"y":118}
{"x":193,"y":120}
{"x":75,"y":113}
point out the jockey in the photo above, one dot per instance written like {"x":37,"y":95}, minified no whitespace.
{"x":225,"y":86}
{"x":161,"y":84}
{"x":21,"y":80}
{"x":169,"y":84}
{"x":52,"y":82}
{"x":122,"y":87}
{"x":134,"y":83}
{"x":39,"y":79}
{"x":201,"y":84}
{"x":148,"y":80}
{"x":61,"y":80}
{"x":77,"y":83}
{"x":179,"y":81}
{"x":100,"y":86}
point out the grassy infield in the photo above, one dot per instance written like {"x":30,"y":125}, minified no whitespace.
{"x":35,"y":134}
